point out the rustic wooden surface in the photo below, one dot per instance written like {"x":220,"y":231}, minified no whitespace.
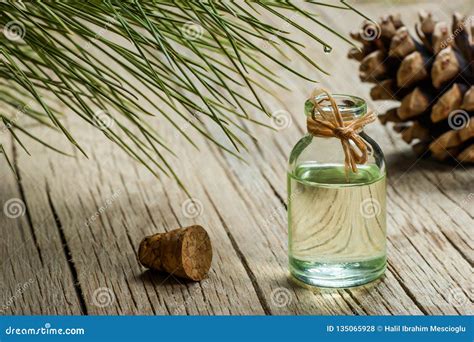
{"x":74,"y":249}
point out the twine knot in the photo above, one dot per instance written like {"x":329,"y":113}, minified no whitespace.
{"x":343,"y":132}
{"x":333,"y":125}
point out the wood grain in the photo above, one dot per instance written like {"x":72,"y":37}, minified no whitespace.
{"x":74,"y":249}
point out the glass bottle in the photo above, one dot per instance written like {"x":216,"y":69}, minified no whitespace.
{"x":336,"y":218}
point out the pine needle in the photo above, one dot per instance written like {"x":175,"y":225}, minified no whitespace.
{"x":97,"y":57}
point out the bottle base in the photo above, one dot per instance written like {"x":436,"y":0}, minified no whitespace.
{"x":338,"y":275}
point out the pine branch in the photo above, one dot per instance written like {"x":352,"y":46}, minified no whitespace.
{"x":193,"y":55}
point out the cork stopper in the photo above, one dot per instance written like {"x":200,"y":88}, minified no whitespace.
{"x":184,"y":252}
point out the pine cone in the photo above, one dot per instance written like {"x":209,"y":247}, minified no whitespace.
{"x":432,"y":76}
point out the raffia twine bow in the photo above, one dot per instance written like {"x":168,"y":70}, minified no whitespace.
{"x":333,"y":125}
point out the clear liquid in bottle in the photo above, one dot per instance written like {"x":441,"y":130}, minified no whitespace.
{"x":337,"y":224}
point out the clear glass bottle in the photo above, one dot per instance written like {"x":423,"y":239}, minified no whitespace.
{"x":336,"y":219}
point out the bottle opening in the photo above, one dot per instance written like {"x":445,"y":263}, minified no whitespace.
{"x":350,"y":107}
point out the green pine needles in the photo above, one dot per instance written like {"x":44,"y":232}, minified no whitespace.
{"x":97,"y":57}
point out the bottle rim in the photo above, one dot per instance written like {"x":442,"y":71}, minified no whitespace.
{"x":350,"y":106}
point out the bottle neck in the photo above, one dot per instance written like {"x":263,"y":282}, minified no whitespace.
{"x":350,"y":107}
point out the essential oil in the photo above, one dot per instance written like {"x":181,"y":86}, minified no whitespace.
{"x":337,"y":224}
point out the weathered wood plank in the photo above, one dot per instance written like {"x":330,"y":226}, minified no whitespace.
{"x":36,"y":278}
{"x":104,"y":206}
{"x":87,"y":216}
{"x":429,"y":224}
{"x":444,"y":294}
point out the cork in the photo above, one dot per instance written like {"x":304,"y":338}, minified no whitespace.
{"x":184,"y":252}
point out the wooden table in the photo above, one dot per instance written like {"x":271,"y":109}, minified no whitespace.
{"x":74,"y":250}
